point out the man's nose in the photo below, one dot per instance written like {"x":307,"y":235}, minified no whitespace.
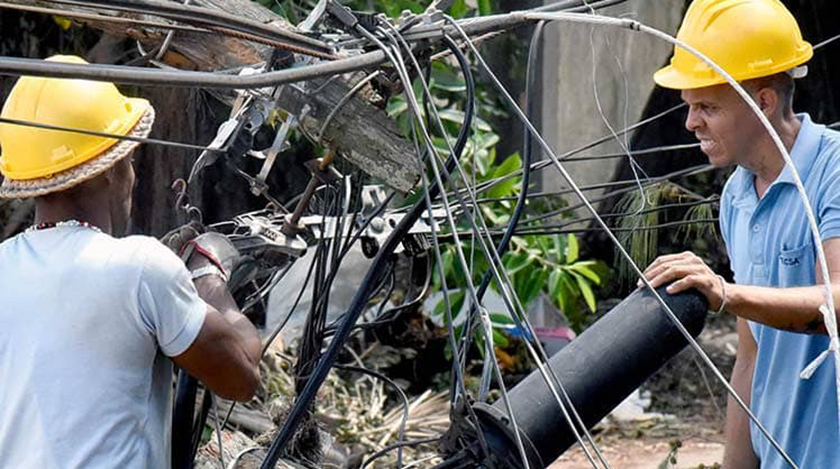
{"x":692,"y":121}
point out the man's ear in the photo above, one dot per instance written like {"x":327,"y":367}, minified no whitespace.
{"x":112,"y":174}
{"x":768,"y":100}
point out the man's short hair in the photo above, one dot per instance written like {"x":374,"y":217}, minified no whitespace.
{"x":782,"y":83}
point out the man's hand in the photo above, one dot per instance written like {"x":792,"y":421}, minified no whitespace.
{"x":178,"y":237}
{"x":686,"y":270}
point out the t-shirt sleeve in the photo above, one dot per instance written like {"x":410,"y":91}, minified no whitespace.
{"x":724,"y":213}
{"x":828,"y":214}
{"x":170,"y":307}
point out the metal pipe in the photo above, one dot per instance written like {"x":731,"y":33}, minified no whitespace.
{"x":599,"y":369}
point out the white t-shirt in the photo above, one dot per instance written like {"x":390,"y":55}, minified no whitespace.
{"x":86,"y":321}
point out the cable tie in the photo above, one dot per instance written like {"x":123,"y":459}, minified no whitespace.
{"x":833,"y":347}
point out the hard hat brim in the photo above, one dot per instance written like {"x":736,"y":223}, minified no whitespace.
{"x":28,"y":188}
{"x":670,"y":77}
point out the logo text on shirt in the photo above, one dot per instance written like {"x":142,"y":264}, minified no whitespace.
{"x":789,"y":261}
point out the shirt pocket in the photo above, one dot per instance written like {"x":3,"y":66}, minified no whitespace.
{"x":796,"y":266}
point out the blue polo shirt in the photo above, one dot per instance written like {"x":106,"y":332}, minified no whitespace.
{"x":769,"y":243}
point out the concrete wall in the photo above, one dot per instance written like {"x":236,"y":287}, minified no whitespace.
{"x":570,"y":117}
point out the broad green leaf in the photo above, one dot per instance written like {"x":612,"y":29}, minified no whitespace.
{"x":500,"y":339}
{"x":554,"y":283}
{"x":459,"y":9}
{"x":458,"y":116}
{"x":568,"y":294}
{"x":508,"y":187}
{"x":485,"y":7}
{"x":485,"y":140}
{"x":583,"y":269}
{"x":531,"y":289}
{"x":396,"y":106}
{"x":444,"y":78}
{"x":572,"y":250}
{"x":456,"y":302}
{"x":501,"y":319}
{"x":560,"y":248}
{"x":586,"y":291}
{"x":515,"y":262}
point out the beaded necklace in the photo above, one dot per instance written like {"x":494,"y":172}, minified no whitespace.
{"x":62,"y":224}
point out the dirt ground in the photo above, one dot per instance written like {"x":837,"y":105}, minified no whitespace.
{"x":691,"y":404}
{"x":646,"y":454}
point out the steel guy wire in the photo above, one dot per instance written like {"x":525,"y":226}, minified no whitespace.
{"x":642,"y":152}
{"x":536,"y":195}
{"x":539,"y":355}
{"x":651,"y":182}
{"x":826,"y":42}
{"x":606,"y":216}
{"x":458,"y":384}
{"x":487,"y":325}
{"x":200,"y":15}
{"x":496,"y":267}
{"x":218,"y":430}
{"x":632,"y":24}
{"x":545,"y":163}
{"x":103,"y":18}
{"x":625,"y":144}
{"x":154,"y":141}
{"x":552,"y":229}
{"x":690,"y":171}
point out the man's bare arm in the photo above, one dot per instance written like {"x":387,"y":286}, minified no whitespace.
{"x":739,"y":452}
{"x":791,"y":309}
{"x":226,"y":354}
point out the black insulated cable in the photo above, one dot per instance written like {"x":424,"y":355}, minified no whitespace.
{"x":320,"y":372}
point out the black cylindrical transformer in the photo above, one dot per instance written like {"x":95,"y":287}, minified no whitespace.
{"x":599,"y":370}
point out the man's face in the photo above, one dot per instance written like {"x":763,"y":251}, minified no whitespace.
{"x":122,"y":189}
{"x":724,"y":124}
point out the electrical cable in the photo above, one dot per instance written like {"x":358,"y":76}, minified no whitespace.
{"x":694,"y":170}
{"x":539,"y":165}
{"x":208,"y":17}
{"x":491,"y":254}
{"x":391,"y":447}
{"x":406,"y":413}
{"x":577,"y":5}
{"x":183,"y":78}
{"x":103,"y":18}
{"x":306,"y":396}
{"x":487,"y":329}
{"x":634,"y":153}
{"x":514,"y":221}
{"x":503,"y":279}
{"x":151,"y":141}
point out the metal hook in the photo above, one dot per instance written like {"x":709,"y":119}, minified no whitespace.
{"x":182,"y":202}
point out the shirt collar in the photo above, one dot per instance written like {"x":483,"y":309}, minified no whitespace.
{"x":804,"y":150}
{"x":802,"y":154}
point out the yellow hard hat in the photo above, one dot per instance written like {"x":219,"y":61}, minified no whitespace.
{"x":747,"y":38}
{"x":28,"y":153}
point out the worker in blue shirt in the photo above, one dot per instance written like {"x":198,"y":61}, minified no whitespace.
{"x":777,"y":291}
